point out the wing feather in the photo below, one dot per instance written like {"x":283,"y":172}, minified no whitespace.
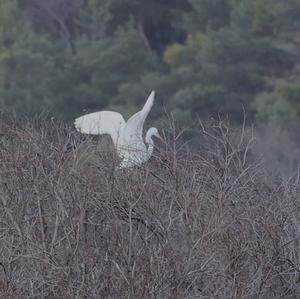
{"x":103,"y":122}
{"x":133,"y":129}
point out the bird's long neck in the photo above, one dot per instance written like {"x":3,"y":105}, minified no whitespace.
{"x":149,"y":141}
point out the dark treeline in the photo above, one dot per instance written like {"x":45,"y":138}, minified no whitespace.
{"x":202,"y":56}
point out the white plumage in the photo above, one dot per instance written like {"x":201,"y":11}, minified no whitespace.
{"x":126,"y":136}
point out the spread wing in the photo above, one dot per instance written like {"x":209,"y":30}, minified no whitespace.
{"x":103,"y":122}
{"x":133,"y":130}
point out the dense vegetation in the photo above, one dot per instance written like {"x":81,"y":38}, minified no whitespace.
{"x":186,"y":224}
{"x":202,"y":56}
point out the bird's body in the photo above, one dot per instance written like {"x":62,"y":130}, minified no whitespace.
{"x":126,"y":136}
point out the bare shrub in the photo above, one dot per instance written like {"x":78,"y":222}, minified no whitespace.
{"x":188,"y":224}
{"x":280,"y":148}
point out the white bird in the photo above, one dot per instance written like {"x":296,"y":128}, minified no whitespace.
{"x":126,"y":136}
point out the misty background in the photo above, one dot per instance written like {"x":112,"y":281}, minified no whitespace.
{"x":205,"y":57}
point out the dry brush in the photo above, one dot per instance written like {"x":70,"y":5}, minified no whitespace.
{"x":191,"y":223}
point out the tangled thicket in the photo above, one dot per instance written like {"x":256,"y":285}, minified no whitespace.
{"x":191,"y":223}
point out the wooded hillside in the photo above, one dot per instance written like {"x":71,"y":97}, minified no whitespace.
{"x":205,"y":57}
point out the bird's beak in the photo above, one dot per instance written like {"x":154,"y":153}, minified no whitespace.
{"x":161,"y":139}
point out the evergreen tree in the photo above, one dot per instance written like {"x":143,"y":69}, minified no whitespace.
{"x":204,"y":57}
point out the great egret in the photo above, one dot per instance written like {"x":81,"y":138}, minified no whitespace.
{"x":126,"y":136}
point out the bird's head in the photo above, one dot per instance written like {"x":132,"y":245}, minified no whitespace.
{"x":154,"y":132}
